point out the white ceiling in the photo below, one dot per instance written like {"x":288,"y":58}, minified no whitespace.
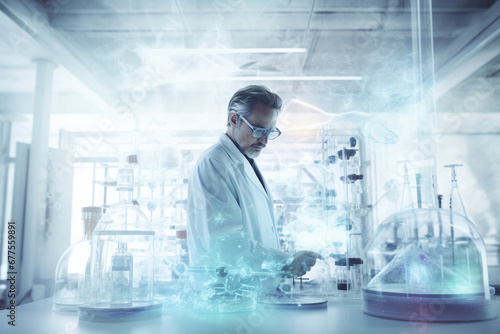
{"x":183,"y":55}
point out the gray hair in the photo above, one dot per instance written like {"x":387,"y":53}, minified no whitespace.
{"x":246,"y":98}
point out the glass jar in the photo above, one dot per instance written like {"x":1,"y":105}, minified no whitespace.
{"x":182,"y":247}
{"x":349,"y":277}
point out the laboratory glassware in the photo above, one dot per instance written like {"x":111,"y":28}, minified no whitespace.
{"x":316,"y":282}
{"x":349,"y":277}
{"x":349,"y":266}
{"x":406,"y":196}
{"x":428,"y":277}
{"x":182,"y":254}
{"x":456,"y":203}
{"x":122,"y":266}
{"x":72,"y":270}
{"x":122,"y":261}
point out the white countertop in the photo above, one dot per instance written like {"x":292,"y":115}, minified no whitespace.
{"x":343,"y":318}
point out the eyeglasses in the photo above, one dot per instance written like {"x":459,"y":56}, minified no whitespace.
{"x":261,"y":132}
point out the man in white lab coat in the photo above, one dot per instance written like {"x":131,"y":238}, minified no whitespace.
{"x":230,"y":207}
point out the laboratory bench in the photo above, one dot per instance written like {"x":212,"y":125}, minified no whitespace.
{"x":338,"y":317}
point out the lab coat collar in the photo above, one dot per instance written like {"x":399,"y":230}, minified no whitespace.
{"x":238,"y":157}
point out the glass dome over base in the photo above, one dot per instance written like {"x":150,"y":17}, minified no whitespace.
{"x":428,"y":265}
{"x":429,"y":308}
{"x":121,"y":260}
{"x":295,"y":302}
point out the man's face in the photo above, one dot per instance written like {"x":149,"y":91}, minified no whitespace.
{"x":261,"y":116}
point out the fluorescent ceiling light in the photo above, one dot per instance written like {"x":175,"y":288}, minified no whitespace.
{"x":288,"y":78}
{"x":203,"y":78}
{"x":228,"y":51}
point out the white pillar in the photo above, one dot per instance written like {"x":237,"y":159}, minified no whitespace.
{"x":37,"y":172}
{"x":5,"y":131}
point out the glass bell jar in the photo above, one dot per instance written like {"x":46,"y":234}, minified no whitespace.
{"x":428,"y":265}
{"x":316,"y":282}
{"x":122,"y":261}
{"x":72,"y":271}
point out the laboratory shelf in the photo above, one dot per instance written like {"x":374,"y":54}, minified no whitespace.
{"x":338,"y":317}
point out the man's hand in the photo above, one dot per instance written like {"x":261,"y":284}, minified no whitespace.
{"x":301,"y":262}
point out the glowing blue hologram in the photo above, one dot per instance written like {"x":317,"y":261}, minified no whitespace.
{"x":246,"y":272}
{"x":310,"y":230}
{"x":225,"y":293}
{"x":220,"y":289}
{"x":239,"y":287}
{"x":181,"y":269}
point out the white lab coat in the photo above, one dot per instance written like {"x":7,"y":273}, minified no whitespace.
{"x":230,"y":215}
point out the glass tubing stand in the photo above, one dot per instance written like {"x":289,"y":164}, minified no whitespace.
{"x":349,"y":269}
{"x":348,"y":264}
